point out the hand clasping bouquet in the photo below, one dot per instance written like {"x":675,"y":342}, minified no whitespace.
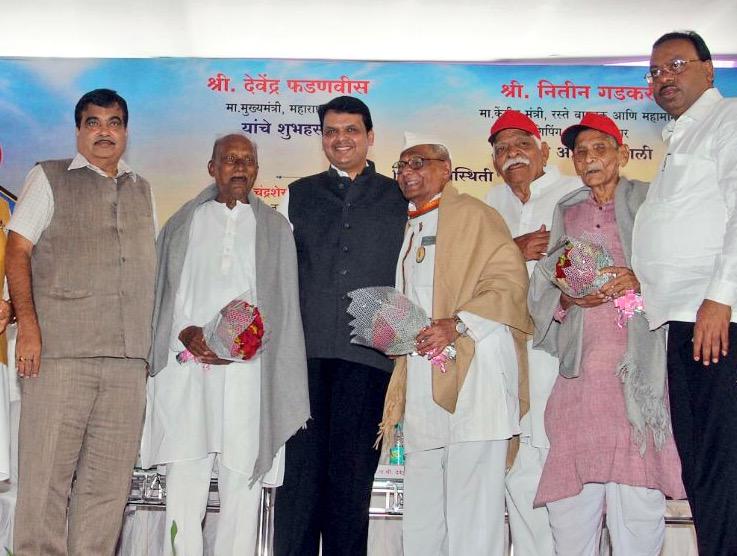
{"x":386,"y":320}
{"x":235,"y":333}
{"x":578,"y":273}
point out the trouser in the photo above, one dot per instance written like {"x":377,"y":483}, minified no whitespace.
{"x":634,"y":518}
{"x":530,"y":527}
{"x":454,"y":500}
{"x":187,"y":489}
{"x":703,"y":402}
{"x":80,"y":416}
{"x":330,"y":465}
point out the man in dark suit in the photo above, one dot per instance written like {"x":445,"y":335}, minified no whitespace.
{"x":348,"y":225}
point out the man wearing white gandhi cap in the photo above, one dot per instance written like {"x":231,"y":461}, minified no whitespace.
{"x":459,"y":262}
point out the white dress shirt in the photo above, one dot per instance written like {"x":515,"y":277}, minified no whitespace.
{"x":685,"y":235}
{"x":487,"y":407}
{"x":523,"y":218}
{"x":35,"y":206}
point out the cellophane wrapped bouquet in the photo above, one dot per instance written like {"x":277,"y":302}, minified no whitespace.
{"x":578,"y":273}
{"x":235,"y":333}
{"x":578,"y":266}
{"x":388,"y":321}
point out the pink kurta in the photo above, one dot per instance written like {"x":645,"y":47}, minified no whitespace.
{"x":586,"y":420}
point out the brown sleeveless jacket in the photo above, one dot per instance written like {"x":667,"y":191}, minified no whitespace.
{"x":94,"y":266}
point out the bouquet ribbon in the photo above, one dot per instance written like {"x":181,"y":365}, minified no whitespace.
{"x":627,"y":305}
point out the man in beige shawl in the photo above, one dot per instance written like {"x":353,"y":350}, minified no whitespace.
{"x":459,"y":263}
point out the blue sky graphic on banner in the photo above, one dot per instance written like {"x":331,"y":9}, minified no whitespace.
{"x":179,"y":106}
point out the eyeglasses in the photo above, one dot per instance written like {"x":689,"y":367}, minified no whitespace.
{"x":232,"y":160}
{"x":673,"y":67}
{"x":416,"y":162}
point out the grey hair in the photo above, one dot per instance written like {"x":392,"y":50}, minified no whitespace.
{"x":538,"y":142}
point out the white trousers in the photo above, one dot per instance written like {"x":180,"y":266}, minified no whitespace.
{"x":454,"y":500}
{"x":187,"y":488}
{"x":530,"y":527}
{"x":634,"y":517}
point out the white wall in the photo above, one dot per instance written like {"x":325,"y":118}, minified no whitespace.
{"x":463,"y":30}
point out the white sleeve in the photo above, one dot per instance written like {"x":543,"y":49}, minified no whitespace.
{"x":478,"y":327}
{"x":283,"y":208}
{"x":35,"y":206}
{"x":153,"y":211}
{"x":723,"y":285}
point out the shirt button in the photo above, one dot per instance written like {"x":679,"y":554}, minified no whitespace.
{"x":341,"y":186}
{"x":343,"y":272}
{"x":347,"y":225}
{"x":601,"y":208}
{"x":345,"y":249}
{"x":349,"y":204}
{"x":122,"y":259}
{"x":598,"y":226}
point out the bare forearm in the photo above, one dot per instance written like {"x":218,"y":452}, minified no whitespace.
{"x":18,"y":270}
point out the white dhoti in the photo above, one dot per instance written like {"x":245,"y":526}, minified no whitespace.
{"x":454,"y":499}
{"x":634,"y":518}
{"x":530,"y":527}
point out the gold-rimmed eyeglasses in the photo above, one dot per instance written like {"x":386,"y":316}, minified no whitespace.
{"x":673,"y":67}
{"x":416,"y":162}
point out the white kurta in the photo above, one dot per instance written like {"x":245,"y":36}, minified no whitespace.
{"x":194,"y":411}
{"x":523,"y":218}
{"x":488,"y":407}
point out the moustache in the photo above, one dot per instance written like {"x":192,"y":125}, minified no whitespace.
{"x":595,"y":167}
{"x":515,"y":160}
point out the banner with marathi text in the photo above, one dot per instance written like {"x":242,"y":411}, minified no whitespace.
{"x":178,"y":107}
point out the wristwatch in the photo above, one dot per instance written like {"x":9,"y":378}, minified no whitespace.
{"x":461,"y":327}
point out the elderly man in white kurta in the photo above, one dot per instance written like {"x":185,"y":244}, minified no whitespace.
{"x":460,"y":264}
{"x":526,"y":200}
{"x":217,"y":247}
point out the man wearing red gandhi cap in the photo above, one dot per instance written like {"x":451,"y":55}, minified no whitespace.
{"x":526,"y":201}
{"x":606,"y":417}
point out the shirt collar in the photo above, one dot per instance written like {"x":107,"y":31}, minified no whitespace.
{"x":697,"y":111}
{"x":413,"y":207}
{"x":551,"y":175}
{"x":343,"y":174}
{"x":80,"y":161}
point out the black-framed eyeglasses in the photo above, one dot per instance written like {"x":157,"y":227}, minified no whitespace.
{"x":416,"y":162}
{"x":673,"y":67}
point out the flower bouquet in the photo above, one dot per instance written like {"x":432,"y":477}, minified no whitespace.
{"x":386,"y":320}
{"x":578,"y":265}
{"x":235,"y":333}
{"x":578,"y":273}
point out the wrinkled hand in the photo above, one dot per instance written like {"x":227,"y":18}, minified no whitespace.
{"x":435,"y":338}
{"x":534,"y":244}
{"x":6,"y":314}
{"x":194,"y":341}
{"x":28,"y":350}
{"x":711,"y":332}
{"x":624,"y":279}
{"x":585,"y":302}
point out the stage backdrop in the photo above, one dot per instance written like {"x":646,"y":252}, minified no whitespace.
{"x":179,"y":106}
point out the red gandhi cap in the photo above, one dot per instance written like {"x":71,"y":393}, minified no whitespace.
{"x":512,"y":119}
{"x":591,"y":120}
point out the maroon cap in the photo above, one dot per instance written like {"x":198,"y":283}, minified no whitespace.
{"x":512,"y":119}
{"x":591,"y":120}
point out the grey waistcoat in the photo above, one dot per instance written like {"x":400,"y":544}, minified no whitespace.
{"x":94,"y":266}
